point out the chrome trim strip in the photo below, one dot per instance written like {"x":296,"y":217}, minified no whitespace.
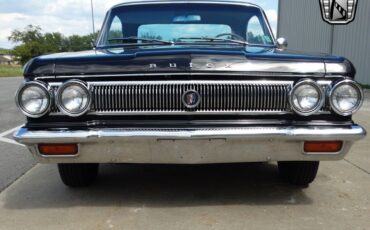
{"x":336,"y":68}
{"x":185,"y":82}
{"x":225,"y":74}
{"x":191,"y":113}
{"x":297,"y":133}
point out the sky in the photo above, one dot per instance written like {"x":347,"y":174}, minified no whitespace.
{"x":73,"y":16}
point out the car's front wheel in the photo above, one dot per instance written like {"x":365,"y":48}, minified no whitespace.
{"x":300,"y":173}
{"x":78,"y":175}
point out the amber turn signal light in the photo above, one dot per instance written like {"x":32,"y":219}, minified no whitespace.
{"x":322,"y":146}
{"x":58,"y":149}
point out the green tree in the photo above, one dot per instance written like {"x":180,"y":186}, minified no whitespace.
{"x":32,"y":42}
{"x":54,"y":42}
{"x":79,"y":43}
{"x":150,"y":36}
{"x":254,"y":39}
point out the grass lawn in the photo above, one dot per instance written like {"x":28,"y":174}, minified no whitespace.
{"x":10,"y":71}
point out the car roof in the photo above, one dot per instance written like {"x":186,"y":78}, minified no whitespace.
{"x":221,"y":2}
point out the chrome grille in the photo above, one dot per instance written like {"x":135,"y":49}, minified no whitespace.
{"x":221,"y":97}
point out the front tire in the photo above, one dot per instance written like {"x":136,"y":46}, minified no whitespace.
{"x":78,"y":175}
{"x":300,"y":173}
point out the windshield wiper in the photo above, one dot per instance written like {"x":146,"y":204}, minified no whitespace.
{"x":214,"y":39}
{"x":210,"y":39}
{"x":146,"y":41}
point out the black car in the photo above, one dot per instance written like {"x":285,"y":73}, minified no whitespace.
{"x":190,"y":82}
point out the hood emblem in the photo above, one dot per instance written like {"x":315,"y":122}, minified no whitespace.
{"x":191,"y":99}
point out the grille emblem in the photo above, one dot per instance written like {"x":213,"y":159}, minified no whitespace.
{"x":338,"y":11}
{"x":191,"y":99}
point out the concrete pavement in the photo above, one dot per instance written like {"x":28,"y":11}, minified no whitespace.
{"x":243,"y":196}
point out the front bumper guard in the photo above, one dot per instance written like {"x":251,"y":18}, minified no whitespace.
{"x":192,"y":145}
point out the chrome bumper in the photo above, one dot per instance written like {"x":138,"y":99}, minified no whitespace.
{"x":193,"y":145}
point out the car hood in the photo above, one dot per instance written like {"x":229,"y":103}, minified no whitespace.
{"x":186,"y":60}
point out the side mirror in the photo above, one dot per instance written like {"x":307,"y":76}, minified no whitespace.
{"x":282,"y":43}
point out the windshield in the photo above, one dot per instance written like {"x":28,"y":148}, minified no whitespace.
{"x":179,"y":23}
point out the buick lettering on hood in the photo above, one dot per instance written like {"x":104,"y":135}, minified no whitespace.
{"x":188,"y":82}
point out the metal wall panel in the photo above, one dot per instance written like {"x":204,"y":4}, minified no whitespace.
{"x":300,"y":22}
{"x":353,"y":41}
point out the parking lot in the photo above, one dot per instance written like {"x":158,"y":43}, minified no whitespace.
{"x":242,"y":196}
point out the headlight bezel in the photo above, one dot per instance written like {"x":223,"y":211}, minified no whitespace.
{"x":44,"y":87}
{"x":356,"y":86}
{"x":60,"y":105}
{"x":319,"y":104}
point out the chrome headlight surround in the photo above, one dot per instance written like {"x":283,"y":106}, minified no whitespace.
{"x":59,"y":98}
{"x":314,"y":109}
{"x":47,"y":93}
{"x":356,"y":87}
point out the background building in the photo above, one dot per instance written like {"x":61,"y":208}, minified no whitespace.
{"x":6,"y":59}
{"x":301,"y":23}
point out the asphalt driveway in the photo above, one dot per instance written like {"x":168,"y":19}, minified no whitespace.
{"x":14,"y":160}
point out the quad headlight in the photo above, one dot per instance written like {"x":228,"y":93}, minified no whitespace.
{"x":307,"y":97}
{"x":33,"y":99}
{"x":73,"y":98}
{"x":346,"y":97}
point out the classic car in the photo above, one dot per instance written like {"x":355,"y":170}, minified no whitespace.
{"x":188,"y":82}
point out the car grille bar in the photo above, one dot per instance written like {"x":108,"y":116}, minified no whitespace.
{"x":165,"y":97}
